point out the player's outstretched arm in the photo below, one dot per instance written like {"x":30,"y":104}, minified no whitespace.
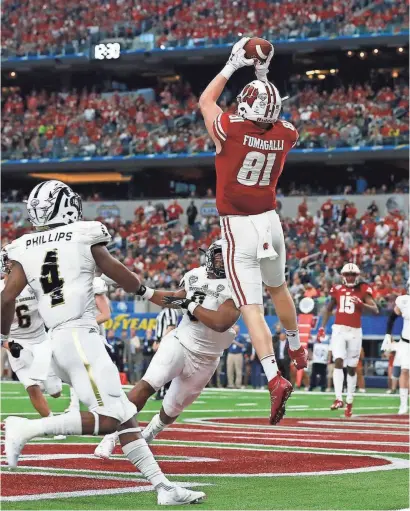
{"x":15,"y":284}
{"x":207,"y":102}
{"x":326,"y":316}
{"x":114,"y":269}
{"x":157,"y":296}
{"x":368,"y":304}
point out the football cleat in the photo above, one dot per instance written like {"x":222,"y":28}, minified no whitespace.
{"x":348,"y":410}
{"x":337,"y":403}
{"x":280,"y":390}
{"x":299,"y":357}
{"x":106,"y":447}
{"x":178,"y":496}
{"x":18,"y":431}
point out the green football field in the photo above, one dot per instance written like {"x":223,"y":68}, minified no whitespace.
{"x":223,"y":445}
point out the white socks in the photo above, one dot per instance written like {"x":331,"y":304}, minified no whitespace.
{"x":270,"y":367}
{"x":140,"y":455}
{"x":74,"y":401}
{"x":351,"y":387}
{"x":64,"y":424}
{"x":292,"y":337}
{"x":404,"y":398}
{"x":153,"y":428}
{"x":338,"y":378}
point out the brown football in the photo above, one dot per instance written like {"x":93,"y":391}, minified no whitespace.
{"x":257,"y":48}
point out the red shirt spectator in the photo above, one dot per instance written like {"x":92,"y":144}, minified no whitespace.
{"x":174,"y":210}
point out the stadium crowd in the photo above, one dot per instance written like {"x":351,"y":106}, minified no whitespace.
{"x":90,"y":124}
{"x":32,"y":28}
{"x":161,"y":248}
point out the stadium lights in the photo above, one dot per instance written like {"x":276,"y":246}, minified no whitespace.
{"x":395,"y":74}
{"x":321,"y":77}
{"x":400,"y":50}
{"x":362,"y":55}
{"x":310,"y":73}
{"x":375,"y":51}
{"x":240,"y":34}
{"x":162,"y":47}
{"x":13,"y":74}
{"x":350,"y":53}
{"x":333,"y":71}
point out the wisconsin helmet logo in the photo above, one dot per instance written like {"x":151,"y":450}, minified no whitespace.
{"x":250,"y":95}
{"x":263,"y":97}
{"x":193,"y":279}
{"x":220,"y":288}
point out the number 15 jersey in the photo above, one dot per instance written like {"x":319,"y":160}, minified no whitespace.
{"x":249,"y":164}
{"x":347,"y":312}
{"x":59,"y":268}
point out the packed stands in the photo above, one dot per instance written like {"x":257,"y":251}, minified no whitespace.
{"x":159,"y":247}
{"x":32,"y":28}
{"x":86,"y":123}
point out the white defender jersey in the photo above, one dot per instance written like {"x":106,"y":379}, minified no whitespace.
{"x":27,"y":324}
{"x":100,"y":288}
{"x":320,"y":353}
{"x":59,"y":267}
{"x":403,"y":303}
{"x":210,"y":293}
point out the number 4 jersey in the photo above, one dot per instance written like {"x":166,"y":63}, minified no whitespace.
{"x":27,"y":324}
{"x":347,"y":312}
{"x":210,"y":293}
{"x":59,"y":267}
{"x":250,"y":163}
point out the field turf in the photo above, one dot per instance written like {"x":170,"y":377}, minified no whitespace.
{"x":222,"y":444}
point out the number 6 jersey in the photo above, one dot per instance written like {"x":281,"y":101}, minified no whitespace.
{"x":250,"y":163}
{"x":59,"y":268}
{"x":27,"y":324}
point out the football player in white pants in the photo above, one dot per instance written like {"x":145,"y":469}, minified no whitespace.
{"x":103,"y":310}
{"x":402,"y":348}
{"x":59,"y":261}
{"x":29,"y":351}
{"x":189,"y":355}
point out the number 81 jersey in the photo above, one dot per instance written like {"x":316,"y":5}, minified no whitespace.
{"x":249,"y":164}
{"x":27,"y":324}
{"x":347,"y":312}
{"x":59,"y":268}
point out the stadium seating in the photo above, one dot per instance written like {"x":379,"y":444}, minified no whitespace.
{"x":119,"y":124}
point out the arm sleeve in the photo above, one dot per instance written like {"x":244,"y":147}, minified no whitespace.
{"x":220,"y":127}
{"x":390,"y":322}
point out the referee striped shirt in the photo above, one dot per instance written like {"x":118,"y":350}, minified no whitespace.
{"x":165,"y":319}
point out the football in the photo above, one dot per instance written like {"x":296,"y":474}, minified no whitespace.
{"x":257,"y":48}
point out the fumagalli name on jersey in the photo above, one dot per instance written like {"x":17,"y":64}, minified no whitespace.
{"x":267,"y":145}
{"x":40,"y":239}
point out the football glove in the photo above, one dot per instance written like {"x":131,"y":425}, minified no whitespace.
{"x":236,"y":59}
{"x":321,"y":334}
{"x":15,"y":349}
{"x":262,"y":68}
{"x":387,"y":343}
{"x":176,"y":303}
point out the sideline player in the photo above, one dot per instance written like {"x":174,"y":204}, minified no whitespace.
{"x":351,"y":298}
{"x":103,"y":311}
{"x":59,"y":262}
{"x":251,"y":149}
{"x":402,"y":358}
{"x":189,"y":354}
{"x":29,"y":349}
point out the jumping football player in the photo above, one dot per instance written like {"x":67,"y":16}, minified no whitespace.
{"x":59,"y":260}
{"x":189,"y":354}
{"x":351,"y":299}
{"x":402,"y":348}
{"x":251,"y":149}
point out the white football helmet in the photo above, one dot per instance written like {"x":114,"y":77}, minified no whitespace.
{"x":53,"y":203}
{"x":260,"y":102}
{"x":350,"y":274}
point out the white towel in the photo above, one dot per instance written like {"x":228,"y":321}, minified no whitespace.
{"x":264,"y":229}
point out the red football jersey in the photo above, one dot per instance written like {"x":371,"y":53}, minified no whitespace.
{"x":249,"y":164}
{"x":347,"y":312}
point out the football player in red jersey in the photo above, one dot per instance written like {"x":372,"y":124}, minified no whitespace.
{"x":351,"y":298}
{"x":251,"y":149}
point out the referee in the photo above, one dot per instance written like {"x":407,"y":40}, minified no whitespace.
{"x":167,"y":320}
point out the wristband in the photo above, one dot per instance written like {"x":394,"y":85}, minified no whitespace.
{"x":145,"y":292}
{"x":228,"y":71}
{"x":192,"y":306}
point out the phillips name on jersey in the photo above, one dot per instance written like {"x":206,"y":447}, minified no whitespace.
{"x":59,"y":268}
{"x":210,"y":293}
{"x":347,"y":312}
{"x":249,"y":164}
